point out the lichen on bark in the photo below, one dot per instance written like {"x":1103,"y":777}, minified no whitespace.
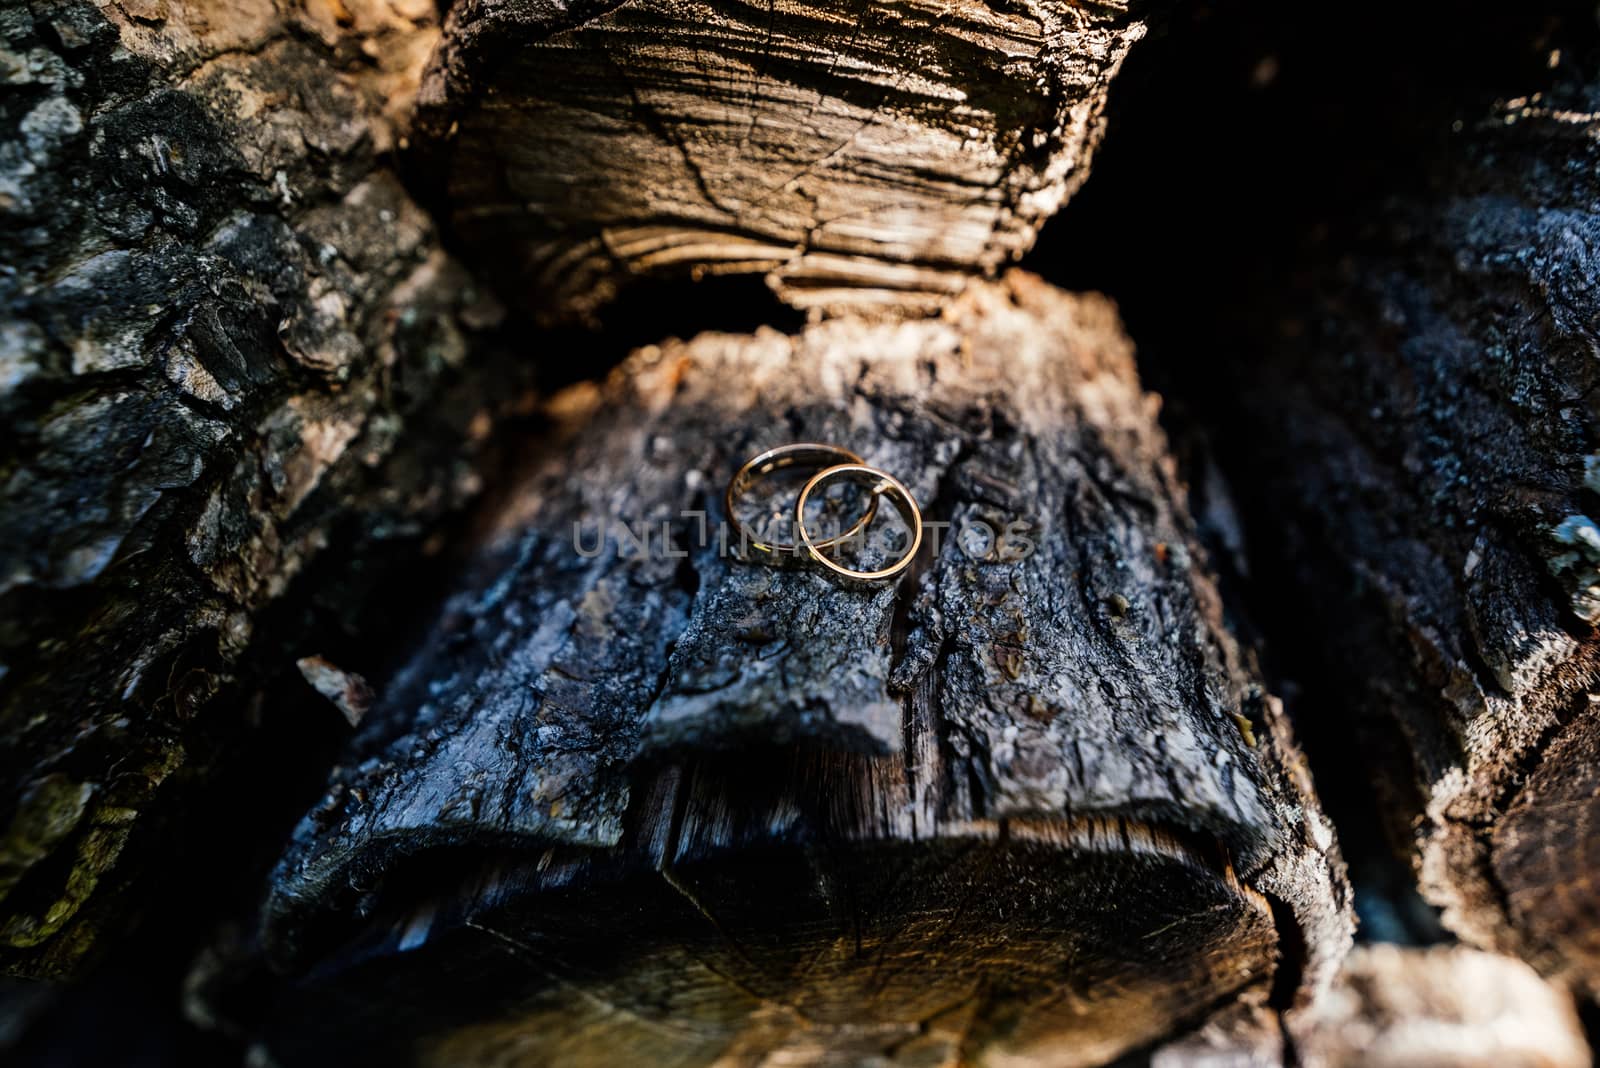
{"x":221,"y":312}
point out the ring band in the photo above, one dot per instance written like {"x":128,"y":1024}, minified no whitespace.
{"x":806,"y":454}
{"x":885,"y":484}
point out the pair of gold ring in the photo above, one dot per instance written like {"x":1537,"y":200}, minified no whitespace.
{"x":832,"y":464}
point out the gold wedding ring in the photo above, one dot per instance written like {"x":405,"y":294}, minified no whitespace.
{"x":883,"y":484}
{"x":800,"y":454}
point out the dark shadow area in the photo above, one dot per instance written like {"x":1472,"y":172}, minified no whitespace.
{"x":1249,"y":143}
{"x":653,"y":310}
{"x":1243,"y":132}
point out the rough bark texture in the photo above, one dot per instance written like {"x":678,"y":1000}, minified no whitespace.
{"x":1399,"y":1007}
{"x":219,"y":315}
{"x":1433,"y":425}
{"x":1019,"y":804}
{"x":854,"y":152}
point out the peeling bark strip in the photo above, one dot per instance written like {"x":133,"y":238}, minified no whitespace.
{"x":1433,"y":449}
{"x":856,"y":152}
{"x":219,"y":316}
{"x":1017,"y":805}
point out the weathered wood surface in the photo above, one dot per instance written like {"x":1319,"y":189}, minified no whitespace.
{"x":677,"y":806}
{"x":1424,"y":435}
{"x":1403,"y":1007}
{"x":855,"y":153}
{"x":1446,"y":1006}
{"x":219,"y":314}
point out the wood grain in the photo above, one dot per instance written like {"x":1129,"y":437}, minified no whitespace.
{"x":857,"y":153}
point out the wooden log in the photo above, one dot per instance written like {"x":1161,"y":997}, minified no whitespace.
{"x":854,"y":153}
{"x":1029,"y":802}
{"x":1449,"y":1005}
{"x":1428,"y":474}
{"x":228,"y":336}
{"x":1403,"y":1007}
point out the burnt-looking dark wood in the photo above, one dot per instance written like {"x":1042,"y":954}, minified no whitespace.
{"x":228,"y":337}
{"x":1017,"y":803}
{"x":1429,"y":475}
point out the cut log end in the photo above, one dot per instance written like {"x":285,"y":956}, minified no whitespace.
{"x":1545,"y":855}
{"x":1068,"y":941}
{"x":870,"y":156}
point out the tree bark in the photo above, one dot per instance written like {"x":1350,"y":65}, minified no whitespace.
{"x":1030,"y":802}
{"x":230,"y":338}
{"x":855,"y":153}
{"x":678,"y":805}
{"x":1431,"y":421}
